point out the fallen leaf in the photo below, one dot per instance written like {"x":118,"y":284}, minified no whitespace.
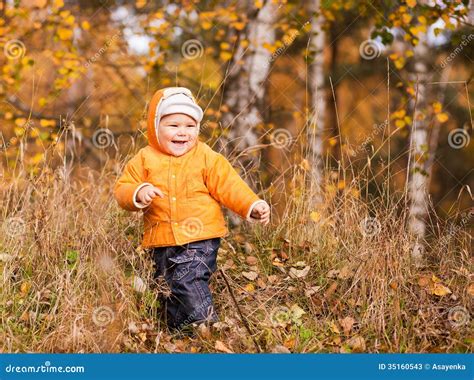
{"x":470,"y":289}
{"x":290,"y":343}
{"x":347,"y":324}
{"x":272,"y":278}
{"x":334,"y":328}
{"x":440,"y":290}
{"x":261,"y":284}
{"x":5,"y":257}
{"x":296,"y":314}
{"x":299,"y":273}
{"x":309,"y":292}
{"x":330,"y":291}
{"x":220,"y":346}
{"x":251,"y":260}
{"x":356,"y":343}
{"x":279,"y":349}
{"x":345,"y":273}
{"x":138,"y":284}
{"x":250,"y":275}
{"x":424,"y":281}
{"x":249,"y":288}
{"x":333,"y":273}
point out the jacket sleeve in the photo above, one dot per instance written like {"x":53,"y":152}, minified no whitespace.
{"x":129,"y":183}
{"x":228,"y":188}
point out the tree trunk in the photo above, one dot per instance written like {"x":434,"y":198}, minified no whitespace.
{"x":318,"y":100}
{"x":419,"y":142}
{"x":245,"y":85}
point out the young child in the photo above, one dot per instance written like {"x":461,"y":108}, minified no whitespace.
{"x":180,"y":184}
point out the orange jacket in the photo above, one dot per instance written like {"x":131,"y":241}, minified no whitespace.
{"x":195,"y":185}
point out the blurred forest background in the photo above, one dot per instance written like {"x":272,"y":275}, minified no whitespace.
{"x":352,"y":118}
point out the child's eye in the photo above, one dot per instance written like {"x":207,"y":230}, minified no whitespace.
{"x":191,"y":126}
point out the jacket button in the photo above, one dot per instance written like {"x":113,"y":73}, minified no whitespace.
{"x":175,"y":223}
{"x":173,"y":176}
{"x":174,"y":198}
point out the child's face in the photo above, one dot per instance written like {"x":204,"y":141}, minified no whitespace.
{"x":177,"y":134}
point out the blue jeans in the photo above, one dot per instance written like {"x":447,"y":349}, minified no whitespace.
{"x":187,"y":270}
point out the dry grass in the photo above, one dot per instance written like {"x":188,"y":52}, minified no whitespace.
{"x":69,"y":256}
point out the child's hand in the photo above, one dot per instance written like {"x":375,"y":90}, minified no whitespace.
{"x":261,"y":212}
{"x":148,"y":193}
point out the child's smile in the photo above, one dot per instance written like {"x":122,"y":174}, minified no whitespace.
{"x":177,"y":134}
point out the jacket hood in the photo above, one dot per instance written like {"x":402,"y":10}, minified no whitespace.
{"x":152,"y":118}
{"x":152,"y":108}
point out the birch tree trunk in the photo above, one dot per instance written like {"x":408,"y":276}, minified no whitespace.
{"x":318,"y":100}
{"x":419,"y":142}
{"x":245,"y":83}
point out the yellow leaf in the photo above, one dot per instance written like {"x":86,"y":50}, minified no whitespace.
{"x":249,"y":288}
{"x":220,"y":346}
{"x":225,"y":55}
{"x":20,"y":122}
{"x":59,"y":3}
{"x":258,"y":4}
{"x":206,"y":25}
{"x":47,"y":123}
{"x":25,"y":288}
{"x":399,"y":123}
{"x":85,"y":25}
{"x":305,"y":164}
{"x":225,"y":46}
{"x":341,"y":185}
{"x":437,"y":107}
{"x":399,"y":63}
{"x":238,"y":25}
{"x":440,"y":290}
{"x":315,"y":216}
{"x":442,"y":117}
{"x":422,"y":20}
{"x":334,"y":328}
{"x":470,"y":289}
{"x":333,"y":141}
{"x":411,"y":91}
{"x":8,"y":115}
{"x":19,"y":131}
{"x":140,"y":3}
{"x":64,"y":34}
{"x":406,"y":18}
{"x":411,"y":3}
{"x":37,"y":158}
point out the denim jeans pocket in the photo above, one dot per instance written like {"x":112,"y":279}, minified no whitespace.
{"x":205,"y":247}
{"x":182,"y":263}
